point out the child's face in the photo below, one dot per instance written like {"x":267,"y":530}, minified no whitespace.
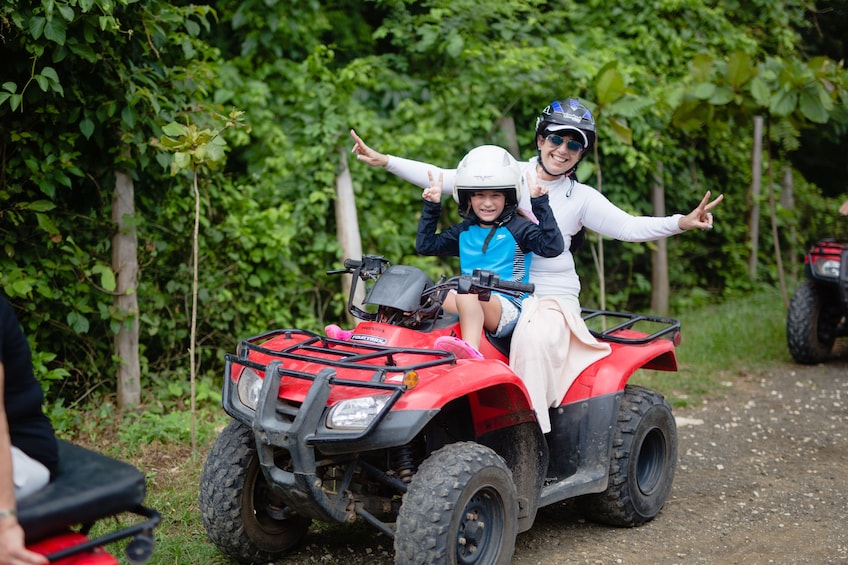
{"x":488,"y":204}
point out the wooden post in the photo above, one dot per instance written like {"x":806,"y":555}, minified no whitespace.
{"x":508,"y":130}
{"x":774,"y":235}
{"x":756,"y":180}
{"x":347,"y":226}
{"x":125,"y":266}
{"x":659,"y":258}
{"x":787,"y":202}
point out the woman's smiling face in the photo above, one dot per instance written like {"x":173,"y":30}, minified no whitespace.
{"x":557,"y":159}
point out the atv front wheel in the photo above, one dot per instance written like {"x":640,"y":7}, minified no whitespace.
{"x":460,"y":508}
{"x":644,"y":456}
{"x":241,"y":515}
{"x":811,"y":322}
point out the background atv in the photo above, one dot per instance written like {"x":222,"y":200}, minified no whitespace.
{"x":819,"y":306}
{"x":442,"y":454}
{"x":88,"y":487}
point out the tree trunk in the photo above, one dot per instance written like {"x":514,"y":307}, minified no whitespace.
{"x":125,"y":266}
{"x":508,"y":131}
{"x":774,"y":235}
{"x":347,"y":226}
{"x":756,"y":180}
{"x":598,"y":252}
{"x":659,"y":258}
{"x":787,"y":202}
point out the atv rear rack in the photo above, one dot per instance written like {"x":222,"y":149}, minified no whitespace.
{"x":624,"y":332}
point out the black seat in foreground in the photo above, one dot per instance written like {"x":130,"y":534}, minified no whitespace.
{"x":88,"y":486}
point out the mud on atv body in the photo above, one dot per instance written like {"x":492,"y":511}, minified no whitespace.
{"x":88,"y":487}
{"x":818,"y":311}
{"x":443,"y":454}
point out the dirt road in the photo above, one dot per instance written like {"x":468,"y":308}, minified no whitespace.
{"x":762,"y":478}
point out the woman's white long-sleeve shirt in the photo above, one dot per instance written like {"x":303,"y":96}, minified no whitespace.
{"x":574,"y":205}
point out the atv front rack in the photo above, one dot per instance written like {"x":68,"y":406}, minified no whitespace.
{"x":320,"y":364}
{"x":355,"y":355}
{"x":624,"y":332}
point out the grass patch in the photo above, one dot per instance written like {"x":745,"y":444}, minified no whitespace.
{"x":741,"y":337}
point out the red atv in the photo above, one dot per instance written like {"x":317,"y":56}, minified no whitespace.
{"x":442,"y":454}
{"x":89,"y":487}
{"x":818,"y":309}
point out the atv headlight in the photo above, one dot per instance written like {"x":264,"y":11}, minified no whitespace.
{"x":827,"y":268}
{"x":356,"y":413}
{"x":249,"y":385}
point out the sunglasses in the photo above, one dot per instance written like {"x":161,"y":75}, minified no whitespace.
{"x":571,"y":145}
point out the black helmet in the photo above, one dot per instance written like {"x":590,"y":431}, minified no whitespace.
{"x":564,"y":115}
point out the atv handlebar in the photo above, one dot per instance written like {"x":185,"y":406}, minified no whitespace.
{"x":411,"y":310}
{"x":480,"y":281}
{"x":369,"y":267}
{"x":488,"y":281}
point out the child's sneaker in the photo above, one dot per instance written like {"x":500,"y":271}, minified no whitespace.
{"x":456,"y":346}
{"x":335,"y":332}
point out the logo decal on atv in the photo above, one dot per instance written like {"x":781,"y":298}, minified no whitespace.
{"x":369,"y":339}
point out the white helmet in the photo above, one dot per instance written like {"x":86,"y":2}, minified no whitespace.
{"x":487,"y":167}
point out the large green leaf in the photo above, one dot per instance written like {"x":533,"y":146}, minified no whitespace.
{"x":811,"y":106}
{"x":740,"y":69}
{"x":609,"y":86}
{"x":783,"y":102}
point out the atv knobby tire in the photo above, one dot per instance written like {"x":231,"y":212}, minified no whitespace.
{"x":644,"y":456}
{"x":460,"y":508}
{"x":235,"y":502}
{"x":811,"y":322}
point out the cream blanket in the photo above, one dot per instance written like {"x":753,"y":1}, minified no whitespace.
{"x":551,"y":346}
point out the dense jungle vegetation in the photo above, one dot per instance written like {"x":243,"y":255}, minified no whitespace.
{"x":87,"y":87}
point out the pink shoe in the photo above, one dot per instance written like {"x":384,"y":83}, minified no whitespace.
{"x":456,"y":346}
{"x":335,"y":332}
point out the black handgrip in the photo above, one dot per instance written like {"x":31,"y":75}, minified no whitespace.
{"x":352,"y":264}
{"x":488,"y":278}
{"x":517,"y":286}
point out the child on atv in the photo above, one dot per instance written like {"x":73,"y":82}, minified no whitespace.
{"x":493,"y":236}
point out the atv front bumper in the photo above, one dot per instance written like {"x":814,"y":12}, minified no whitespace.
{"x":294,"y":441}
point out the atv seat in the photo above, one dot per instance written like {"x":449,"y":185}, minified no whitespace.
{"x":87,"y":487}
{"x":500,"y":343}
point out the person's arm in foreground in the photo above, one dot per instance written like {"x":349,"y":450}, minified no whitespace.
{"x":844,"y":208}
{"x":12,"y":548}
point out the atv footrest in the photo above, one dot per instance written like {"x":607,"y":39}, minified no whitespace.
{"x":88,"y":487}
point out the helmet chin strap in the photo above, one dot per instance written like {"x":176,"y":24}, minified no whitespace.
{"x":566,"y":173}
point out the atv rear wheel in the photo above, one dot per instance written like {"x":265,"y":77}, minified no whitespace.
{"x":460,"y":508}
{"x":241,"y":515}
{"x":811,"y":322}
{"x":644,"y":456}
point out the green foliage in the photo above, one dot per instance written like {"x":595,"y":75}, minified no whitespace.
{"x":719,"y":343}
{"x":88,"y":83}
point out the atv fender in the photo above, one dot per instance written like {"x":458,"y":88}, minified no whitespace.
{"x":610,"y":374}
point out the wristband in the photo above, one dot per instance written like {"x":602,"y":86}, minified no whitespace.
{"x":7,"y":513}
